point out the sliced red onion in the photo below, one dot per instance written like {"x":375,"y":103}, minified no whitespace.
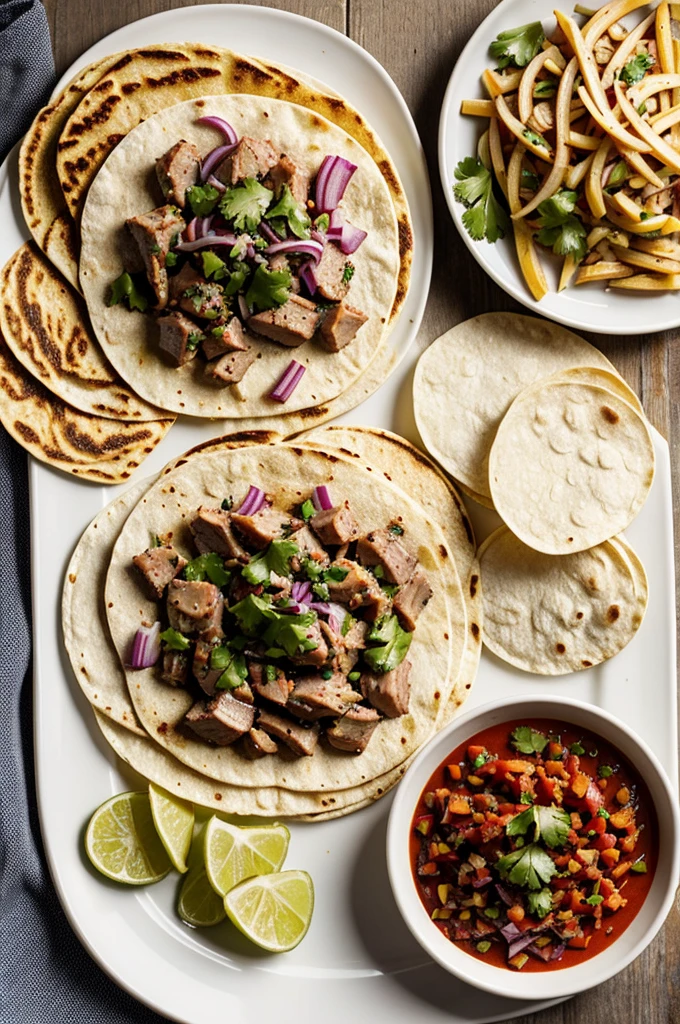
{"x":519,"y":944}
{"x":190,"y":230}
{"x":510,"y":931}
{"x":308,"y":277}
{"x":288,"y":382}
{"x":215,"y":157}
{"x":309,"y":248}
{"x":318,"y":236}
{"x":607,"y":173}
{"x":479,"y":883}
{"x":321,"y":498}
{"x":542,"y":952}
{"x":558,"y":951}
{"x":203,"y":225}
{"x":146,"y":646}
{"x":207,"y":241}
{"x":504,"y":895}
{"x":212,"y":121}
{"x":216,"y":183}
{"x":301,"y":592}
{"x":250,"y":251}
{"x":268,"y":232}
{"x":345,"y":234}
{"x":253,"y":502}
{"x":331,"y":181}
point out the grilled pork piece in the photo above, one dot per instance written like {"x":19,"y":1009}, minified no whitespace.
{"x":221,"y":721}
{"x":358,"y":590}
{"x":177,"y":170}
{"x":335,"y":526}
{"x":410,"y":600}
{"x":258,"y":744}
{"x":159,"y":566}
{"x":154,"y":233}
{"x":302,"y":741}
{"x":193,"y":606}
{"x":244,"y":693}
{"x":179,"y":337}
{"x":263,"y":527}
{"x":309,"y":546}
{"x":389,"y":692}
{"x":331,"y":696}
{"x":343,"y":659}
{"x":276,"y":689}
{"x":381,"y":547}
{"x":330,"y":274}
{"x":286,"y":172}
{"x":230,"y":369}
{"x":291,"y":324}
{"x":205,"y":676}
{"x":223,"y":339}
{"x":319,"y":654}
{"x":212,"y":532}
{"x":175,"y":667}
{"x":252,"y":158}
{"x":352,"y":732}
{"x":340,"y":325}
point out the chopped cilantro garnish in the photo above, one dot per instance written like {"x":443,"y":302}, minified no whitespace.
{"x":639,"y":867}
{"x":171,"y":259}
{"x":561,"y":230}
{"x":577,"y":748}
{"x":155,"y":541}
{"x":526,"y":798}
{"x":539,"y":903}
{"x":348,"y":272}
{"x":245,"y":204}
{"x":210,"y":566}
{"x":517,"y":46}
{"x":227,"y":503}
{"x":535,"y":138}
{"x":595,"y":900}
{"x":321,"y":591}
{"x":551,"y":824}
{"x":603,"y":814}
{"x":529,"y":180}
{"x":354,"y":676}
{"x":268,"y":288}
{"x":544,"y":89}
{"x":327,"y":673}
{"x":234,"y":674}
{"x":604,"y":771}
{"x":484,"y":216}
{"x":337,"y":573}
{"x":270,"y":672}
{"x":237,"y":279}
{"x":213,"y":266}
{"x":636,"y":69}
{"x":378,"y":572}
{"x":275,"y":558}
{"x":220,"y":656}
{"x":529,"y":866}
{"x":394,"y":642}
{"x":480,"y":760}
{"x":484,"y":946}
{"x":527,"y":740}
{"x":124,"y":290}
{"x":396,"y":529}
{"x":155,"y":249}
{"x":322,"y":222}
{"x":347,"y":624}
{"x":202,"y":199}
{"x":307,"y":510}
{"x":642,"y":109}
{"x":174,"y":640}
{"x":389,"y":588}
{"x":492,"y":912}
{"x":194,"y":340}
{"x":252,"y":612}
{"x":298,"y":219}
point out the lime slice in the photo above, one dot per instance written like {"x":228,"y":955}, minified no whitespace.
{"x":198,"y":903}
{"x":122,"y":842}
{"x":174,"y":821}
{"x":233,"y":853}
{"x":274,"y":911}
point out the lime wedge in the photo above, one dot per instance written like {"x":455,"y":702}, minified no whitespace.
{"x":122,"y":842}
{"x":174,"y":821}
{"x":232,"y":853}
{"x":198,"y":903}
{"x":274,"y":911}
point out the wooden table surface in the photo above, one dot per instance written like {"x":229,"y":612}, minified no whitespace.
{"x":418,"y":41}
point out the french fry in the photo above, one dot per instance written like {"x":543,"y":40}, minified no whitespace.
{"x":639,"y":164}
{"x":594,"y":194}
{"x":607,"y":16}
{"x":496,"y":154}
{"x":657,"y":264}
{"x":611,"y":126}
{"x":661,"y":222}
{"x":602,"y":271}
{"x":663,"y":247}
{"x":665,"y":119}
{"x":478,"y":108}
{"x":650,"y":283}
{"x":524,"y":241}
{"x":569,"y":267}
{"x":627,"y":206}
{"x":664,"y":39}
{"x":498,"y":85}
{"x":580,"y":141}
{"x":577,"y":172}
{"x":525,"y":93}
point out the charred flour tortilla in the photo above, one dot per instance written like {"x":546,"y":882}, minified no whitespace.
{"x":46,"y":326}
{"x":571,"y":466}
{"x":208,"y":478}
{"x":557,"y":614}
{"x":89,"y":447}
{"x":466,"y":380}
{"x":130,"y":339}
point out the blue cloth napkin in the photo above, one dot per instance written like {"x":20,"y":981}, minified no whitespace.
{"x":46,"y":977}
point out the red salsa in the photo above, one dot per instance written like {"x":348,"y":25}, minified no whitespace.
{"x":534,"y":845}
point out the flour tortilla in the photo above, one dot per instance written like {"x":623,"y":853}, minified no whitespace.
{"x":209,"y":478}
{"x":571,"y":466}
{"x":557,"y":614}
{"x":45,"y":324}
{"x":466,"y":380}
{"x":89,"y":447}
{"x":122,"y":190}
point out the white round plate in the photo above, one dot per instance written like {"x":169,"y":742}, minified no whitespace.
{"x":590,"y":307}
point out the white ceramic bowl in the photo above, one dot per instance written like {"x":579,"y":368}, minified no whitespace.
{"x":644,"y":926}
{"x":588,"y":307}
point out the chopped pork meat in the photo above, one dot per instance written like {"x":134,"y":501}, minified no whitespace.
{"x":318,"y":654}
{"x":390,"y":692}
{"x":177,"y":170}
{"x":252,"y":158}
{"x":291,"y":324}
{"x":159,"y":566}
{"x":218,"y":341}
{"x":410,"y":600}
{"x":179,"y":337}
{"x":335,"y":526}
{"x":327,"y":696}
{"x":155,"y":233}
{"x":331,"y":280}
{"x":258,"y":744}
{"x":263,"y":527}
{"x":175,"y":668}
{"x":212,"y":532}
{"x":204,"y":675}
{"x":287,"y":172}
{"x":193,"y":606}
{"x":352,"y":732}
{"x":221,"y":721}
{"x":301,"y":740}
{"x":269,"y":682}
{"x":230,"y":369}
{"x":381,"y":548}
{"x":340,"y":325}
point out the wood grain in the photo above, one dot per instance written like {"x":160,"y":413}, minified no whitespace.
{"x":418,"y":43}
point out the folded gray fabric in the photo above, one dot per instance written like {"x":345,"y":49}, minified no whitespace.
{"x":46,"y":977}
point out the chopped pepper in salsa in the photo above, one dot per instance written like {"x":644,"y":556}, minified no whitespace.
{"x":534,"y":845}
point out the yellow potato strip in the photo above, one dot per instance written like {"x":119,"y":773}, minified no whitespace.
{"x":659,"y":147}
{"x":649,"y":283}
{"x":524,"y":243}
{"x":525,"y":93}
{"x":496,"y":152}
{"x":665,"y":119}
{"x":649,"y":86}
{"x":662,"y":222}
{"x":497,"y":84}
{"x":568,"y":270}
{"x":664,"y":38}
{"x":624,"y":51}
{"x":627,"y":206}
{"x":580,"y":141}
{"x":645,"y":260}
{"x":577,"y":172}
{"x":518,"y":130}
{"x":611,"y":125}
{"x":607,"y":16}
{"x":602,"y":271}
{"x":478,"y":108}
{"x":639,"y":164}
{"x":553,"y":67}
{"x":594,"y":194}
{"x":663,"y":247}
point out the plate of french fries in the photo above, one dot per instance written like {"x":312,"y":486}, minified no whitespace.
{"x":559,"y":153}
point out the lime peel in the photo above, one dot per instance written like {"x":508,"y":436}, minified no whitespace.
{"x":174,"y":821}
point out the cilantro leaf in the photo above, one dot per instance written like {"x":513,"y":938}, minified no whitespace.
{"x":529,"y":180}
{"x":554,"y":210}
{"x":124,"y":290}
{"x":171,"y":259}
{"x":544,"y":89}
{"x":517,"y":46}
{"x":307,"y":510}
{"x":245,"y":204}
{"x":527,"y":740}
{"x":595,"y":899}
{"x":394,"y":641}
{"x":348,"y":272}
{"x":202,"y":199}
{"x":289,"y":632}
{"x":526,"y":798}
{"x":210,"y":566}
{"x":535,"y":139}
{"x":268,"y":288}
{"x":529,"y":866}
{"x":213,"y":266}
{"x":234,"y":674}
{"x":485,"y":217}
{"x":237,"y":279}
{"x":275,"y":558}
{"x":252,"y":612}
{"x":298,"y":219}
{"x":561,"y":230}
{"x":174,"y":640}
{"x":636,"y":69}
{"x":322,"y":222}
{"x":539,"y":903}
{"x":552,"y":824}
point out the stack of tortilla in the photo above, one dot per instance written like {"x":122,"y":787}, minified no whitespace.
{"x":536,"y":423}
{"x":382,"y":475}
{"x":72,"y":366}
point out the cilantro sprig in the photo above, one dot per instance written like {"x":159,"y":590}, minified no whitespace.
{"x":636,"y":69}
{"x":268,"y":288}
{"x":484,"y":216}
{"x":246,"y":204}
{"x":517,"y":46}
{"x":394,"y":645}
{"x":527,"y":740}
{"x":298,"y":219}
{"x":125,"y":290}
{"x":207,"y":566}
{"x":275,"y":558}
{"x":551,"y":824}
{"x":530,"y":866}
{"x":539,"y":903}
{"x":560,"y":229}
